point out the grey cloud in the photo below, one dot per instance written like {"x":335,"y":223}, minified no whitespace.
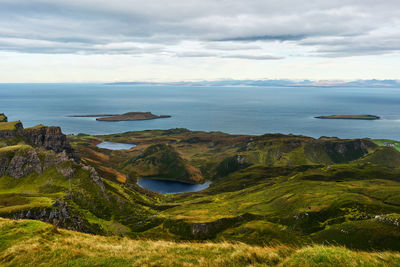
{"x":369,"y":44}
{"x":92,"y":26}
{"x":53,"y":47}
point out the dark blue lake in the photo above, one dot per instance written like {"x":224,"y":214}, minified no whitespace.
{"x":170,"y":187}
{"x":115,"y":146}
{"x":241,"y":110}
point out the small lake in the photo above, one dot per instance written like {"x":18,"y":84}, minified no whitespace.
{"x":115,"y":146}
{"x":170,"y":187}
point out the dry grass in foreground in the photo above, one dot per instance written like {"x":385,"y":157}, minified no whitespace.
{"x":34,"y":243}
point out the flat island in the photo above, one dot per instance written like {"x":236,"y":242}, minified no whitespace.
{"x":350,"y":117}
{"x":130,"y":116}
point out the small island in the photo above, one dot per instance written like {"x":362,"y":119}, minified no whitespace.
{"x":130,"y":116}
{"x":350,"y":117}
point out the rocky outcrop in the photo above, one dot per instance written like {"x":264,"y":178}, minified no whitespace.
{"x":15,"y":131}
{"x":95,"y":177}
{"x":50,"y":138}
{"x":23,"y":164}
{"x":59,"y":215}
{"x":344,"y":151}
{"x":67,"y":172}
{"x":24,"y":161}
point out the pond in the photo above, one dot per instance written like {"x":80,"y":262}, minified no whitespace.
{"x":115,"y":146}
{"x":170,"y":187}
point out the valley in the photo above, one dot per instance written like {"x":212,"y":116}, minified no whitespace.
{"x":265,"y":190}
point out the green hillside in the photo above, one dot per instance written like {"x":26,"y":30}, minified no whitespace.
{"x":293,"y":194}
{"x":35,"y":243}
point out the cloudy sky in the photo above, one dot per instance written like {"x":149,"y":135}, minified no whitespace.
{"x":158,"y":40}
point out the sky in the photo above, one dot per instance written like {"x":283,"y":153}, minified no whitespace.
{"x":193,"y":40}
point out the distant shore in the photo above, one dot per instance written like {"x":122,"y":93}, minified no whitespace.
{"x":350,"y":117}
{"x":92,"y":115}
{"x":130,"y":116}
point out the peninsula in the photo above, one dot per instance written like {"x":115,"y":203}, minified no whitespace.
{"x":350,"y":117}
{"x":130,"y":116}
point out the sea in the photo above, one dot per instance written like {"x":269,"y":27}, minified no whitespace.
{"x":235,"y":110}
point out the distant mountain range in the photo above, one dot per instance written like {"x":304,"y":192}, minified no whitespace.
{"x":281,"y":83}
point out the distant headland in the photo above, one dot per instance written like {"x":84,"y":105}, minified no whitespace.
{"x":350,"y":117}
{"x":130,"y":116}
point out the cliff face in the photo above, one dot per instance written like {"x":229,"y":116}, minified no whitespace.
{"x":344,"y":151}
{"x":58,"y":214}
{"x":50,"y":138}
{"x":23,"y":161}
{"x":10,"y":129}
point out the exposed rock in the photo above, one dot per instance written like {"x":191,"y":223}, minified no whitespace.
{"x":51,"y":158}
{"x":26,"y":161}
{"x":97,"y":179}
{"x":67,"y":172}
{"x":17,"y":131}
{"x":59,"y":215}
{"x":94,"y":176}
{"x":23,"y":164}
{"x":343,"y":151}
{"x":50,"y":138}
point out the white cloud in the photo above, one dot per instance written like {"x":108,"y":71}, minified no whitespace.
{"x":245,"y":32}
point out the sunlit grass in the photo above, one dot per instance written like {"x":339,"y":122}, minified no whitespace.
{"x":33,"y":243}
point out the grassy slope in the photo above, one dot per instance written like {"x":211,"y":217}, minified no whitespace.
{"x":294,"y":190}
{"x":105,"y":211}
{"x":36,"y":243}
{"x":8,"y":126}
{"x":386,"y":142}
{"x":289,"y":202}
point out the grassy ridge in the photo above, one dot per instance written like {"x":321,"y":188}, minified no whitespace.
{"x":35,"y":243}
{"x":9,"y":126}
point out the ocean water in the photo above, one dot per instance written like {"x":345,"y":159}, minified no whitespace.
{"x":238,"y":110}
